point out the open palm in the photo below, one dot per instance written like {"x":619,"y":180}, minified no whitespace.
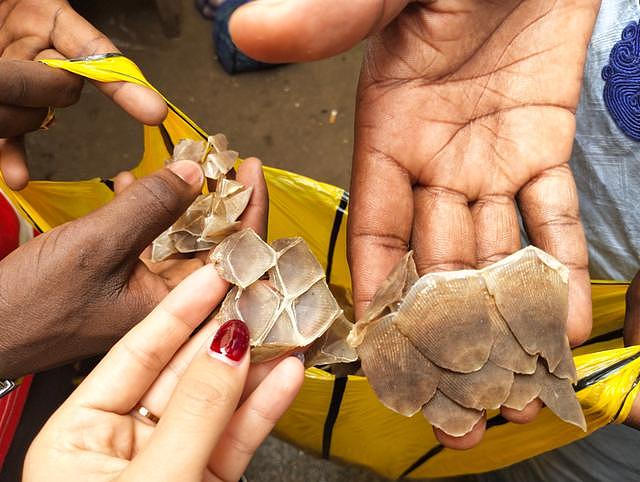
{"x":454,"y":138}
{"x":465,"y":117}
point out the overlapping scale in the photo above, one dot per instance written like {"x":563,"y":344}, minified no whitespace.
{"x":506,"y":352}
{"x":243,"y":257}
{"x":280,"y":290}
{"x":290,"y":309}
{"x":450,"y":417}
{"x":485,"y":388}
{"x":532,"y":295}
{"x":457,"y":301}
{"x":211,"y":217}
{"x":402,"y":378}
{"x":456,"y":344}
{"x":332,"y":347}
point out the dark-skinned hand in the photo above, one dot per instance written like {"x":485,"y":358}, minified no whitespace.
{"x":72,"y":292}
{"x":37,"y":29}
{"x":465,"y":116}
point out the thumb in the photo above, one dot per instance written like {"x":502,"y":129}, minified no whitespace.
{"x":72,"y":36}
{"x":129,"y":223}
{"x":303,"y":30}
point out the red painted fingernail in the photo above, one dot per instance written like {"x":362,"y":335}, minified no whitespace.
{"x":231,"y":340}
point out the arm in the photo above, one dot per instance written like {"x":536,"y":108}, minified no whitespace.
{"x":465,"y":116}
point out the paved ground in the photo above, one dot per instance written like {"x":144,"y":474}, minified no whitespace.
{"x":280,"y":115}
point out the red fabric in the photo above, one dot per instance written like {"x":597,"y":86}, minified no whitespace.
{"x":11,"y":405}
{"x":9,"y":228}
{"x":10,"y":411}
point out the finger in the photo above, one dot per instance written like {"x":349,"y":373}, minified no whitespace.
{"x":157,"y":397}
{"x":16,"y":121}
{"x":128,"y":224}
{"x":286,"y":31}
{"x":131,"y":366}
{"x":379,"y":228}
{"x":526,"y":415}
{"x":465,"y":442}
{"x":632,"y":313}
{"x":74,"y":37}
{"x":27,"y":83}
{"x":255,"y":419}
{"x":25,"y":48}
{"x":13,"y":163}
{"x":257,"y":373}
{"x":50,"y":54}
{"x":497,"y":229}
{"x":256,"y":214}
{"x":199,"y":410}
{"x":122,"y":181}
{"x":443,"y":231}
{"x":549,"y":206}
{"x":173,"y":271}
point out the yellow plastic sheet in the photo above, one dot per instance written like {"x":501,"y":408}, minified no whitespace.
{"x":341,"y":418}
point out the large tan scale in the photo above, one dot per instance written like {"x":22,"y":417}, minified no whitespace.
{"x":456,"y":344}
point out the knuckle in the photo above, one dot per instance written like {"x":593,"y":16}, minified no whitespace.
{"x":97,"y":44}
{"x":70,"y":92}
{"x":21,"y":88}
{"x":239,"y":445}
{"x":444,"y":194}
{"x":159,"y":194}
{"x":487,"y":259}
{"x":202,"y":397}
{"x":264,"y":415}
{"x":143,"y":356}
{"x":389,"y":241}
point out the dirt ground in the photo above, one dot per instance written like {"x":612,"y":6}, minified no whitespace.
{"x":280,"y":115}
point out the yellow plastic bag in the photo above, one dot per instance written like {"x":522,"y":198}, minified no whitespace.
{"x":342,"y":418}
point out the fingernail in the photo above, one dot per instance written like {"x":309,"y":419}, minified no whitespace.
{"x":300,"y":356}
{"x":231,"y":341}
{"x":189,"y":171}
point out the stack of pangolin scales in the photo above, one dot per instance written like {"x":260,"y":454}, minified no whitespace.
{"x":456,"y":344}
{"x":280,"y":290}
{"x":281,"y":294}
{"x":211,"y":217}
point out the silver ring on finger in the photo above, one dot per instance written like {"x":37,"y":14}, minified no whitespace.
{"x":145,"y":415}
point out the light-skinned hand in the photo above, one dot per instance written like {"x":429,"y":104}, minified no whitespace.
{"x":212,"y":415}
